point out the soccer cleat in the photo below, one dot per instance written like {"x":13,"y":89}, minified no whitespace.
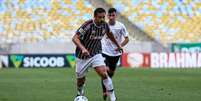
{"x":80,"y":94}
{"x":112,"y":95}
{"x":80,"y":90}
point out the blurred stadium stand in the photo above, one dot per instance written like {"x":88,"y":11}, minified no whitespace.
{"x":41,"y":20}
{"x":166,"y":21}
{"x":31,"y":26}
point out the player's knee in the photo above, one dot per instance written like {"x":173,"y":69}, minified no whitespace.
{"x":111,"y":72}
{"x":102,"y":71}
{"x":104,"y":75}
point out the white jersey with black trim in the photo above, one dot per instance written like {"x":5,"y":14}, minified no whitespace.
{"x":119,"y":31}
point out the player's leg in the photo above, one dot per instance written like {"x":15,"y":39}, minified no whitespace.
{"x":107,"y":81}
{"x":103,"y":86}
{"x":80,"y":86}
{"x":81,"y":70}
{"x":111,"y":63}
{"x":100,"y":68}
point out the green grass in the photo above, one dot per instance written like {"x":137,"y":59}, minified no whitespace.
{"x":130,"y":85}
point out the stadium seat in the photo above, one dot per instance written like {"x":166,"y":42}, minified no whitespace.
{"x":166,"y":21}
{"x":41,"y":20}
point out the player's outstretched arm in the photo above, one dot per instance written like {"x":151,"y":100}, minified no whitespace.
{"x":76,"y":41}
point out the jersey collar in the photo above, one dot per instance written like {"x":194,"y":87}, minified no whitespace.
{"x":96,"y":25}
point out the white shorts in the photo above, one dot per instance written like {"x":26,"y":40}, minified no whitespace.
{"x":82,"y":65}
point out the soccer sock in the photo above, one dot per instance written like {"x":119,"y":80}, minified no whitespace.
{"x":110,"y":74}
{"x":109,"y":86}
{"x":103,"y":86}
{"x":80,"y":90}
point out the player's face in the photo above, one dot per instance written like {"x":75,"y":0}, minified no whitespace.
{"x":100,"y":17}
{"x":112,"y":16}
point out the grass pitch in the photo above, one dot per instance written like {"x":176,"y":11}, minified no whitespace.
{"x":55,"y":84}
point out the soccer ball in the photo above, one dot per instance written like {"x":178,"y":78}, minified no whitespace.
{"x":80,"y":98}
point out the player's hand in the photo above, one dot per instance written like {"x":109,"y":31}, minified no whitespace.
{"x":119,"y":49}
{"x":85,"y":52}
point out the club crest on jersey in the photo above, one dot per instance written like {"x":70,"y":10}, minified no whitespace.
{"x":81,"y":30}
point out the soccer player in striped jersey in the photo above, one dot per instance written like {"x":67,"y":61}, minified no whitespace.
{"x":109,"y":48}
{"x":89,"y":51}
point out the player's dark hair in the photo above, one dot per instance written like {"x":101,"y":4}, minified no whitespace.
{"x":99,"y":10}
{"x":111,"y":10}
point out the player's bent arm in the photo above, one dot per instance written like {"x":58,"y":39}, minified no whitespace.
{"x":126,"y":40}
{"x":76,"y":41}
{"x":111,"y":37}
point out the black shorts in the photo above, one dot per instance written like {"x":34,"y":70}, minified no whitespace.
{"x":111,"y":61}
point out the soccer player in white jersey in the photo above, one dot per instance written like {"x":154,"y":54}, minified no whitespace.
{"x":109,"y":49}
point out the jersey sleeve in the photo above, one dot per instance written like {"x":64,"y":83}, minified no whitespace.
{"x":83,"y":29}
{"x":124,"y":32}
